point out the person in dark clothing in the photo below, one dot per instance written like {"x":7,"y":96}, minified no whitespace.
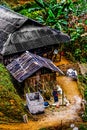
{"x":55,"y":95}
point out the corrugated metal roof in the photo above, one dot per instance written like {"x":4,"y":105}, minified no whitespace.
{"x":33,"y":38}
{"x":25,"y":34}
{"x":27,"y":64}
{"x":9,"y":22}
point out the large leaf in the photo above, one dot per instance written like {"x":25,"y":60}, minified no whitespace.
{"x":40,"y":3}
{"x":57,"y":26}
{"x":40,"y":19}
{"x":33,"y":9}
{"x":51,"y":14}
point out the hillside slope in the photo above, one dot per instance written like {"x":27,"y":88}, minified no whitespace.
{"x":53,"y":116}
{"x":11,"y":107}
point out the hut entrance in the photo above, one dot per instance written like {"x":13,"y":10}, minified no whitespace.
{"x":43,"y":83}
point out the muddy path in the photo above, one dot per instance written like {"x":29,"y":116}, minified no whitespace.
{"x":54,"y":117}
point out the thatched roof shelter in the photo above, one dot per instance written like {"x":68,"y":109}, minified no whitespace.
{"x":28,"y":64}
{"x":19,"y":33}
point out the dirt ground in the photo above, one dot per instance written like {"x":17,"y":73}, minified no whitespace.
{"x":53,"y":115}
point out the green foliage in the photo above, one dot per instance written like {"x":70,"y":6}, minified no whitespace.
{"x":51,"y":13}
{"x":43,"y":129}
{"x":5,"y":78}
{"x":81,"y":8}
{"x":56,"y":14}
{"x":84,"y":117}
{"x":63,"y":16}
{"x":83,"y":127}
{"x":5,"y":4}
{"x":11,"y":105}
{"x":21,"y":7}
{"x":83,"y":80}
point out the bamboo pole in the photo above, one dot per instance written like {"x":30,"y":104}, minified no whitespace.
{"x":62,"y":98}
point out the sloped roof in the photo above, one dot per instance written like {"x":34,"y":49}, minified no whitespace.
{"x":32,"y":38}
{"x":9,"y":22}
{"x":18,"y":33}
{"x":27,"y":64}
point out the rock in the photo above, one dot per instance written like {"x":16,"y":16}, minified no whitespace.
{"x":75,"y":128}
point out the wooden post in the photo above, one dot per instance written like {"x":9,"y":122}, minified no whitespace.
{"x":25,"y":118}
{"x":62,"y":98}
{"x":61,"y":49}
{"x":61,"y":124}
